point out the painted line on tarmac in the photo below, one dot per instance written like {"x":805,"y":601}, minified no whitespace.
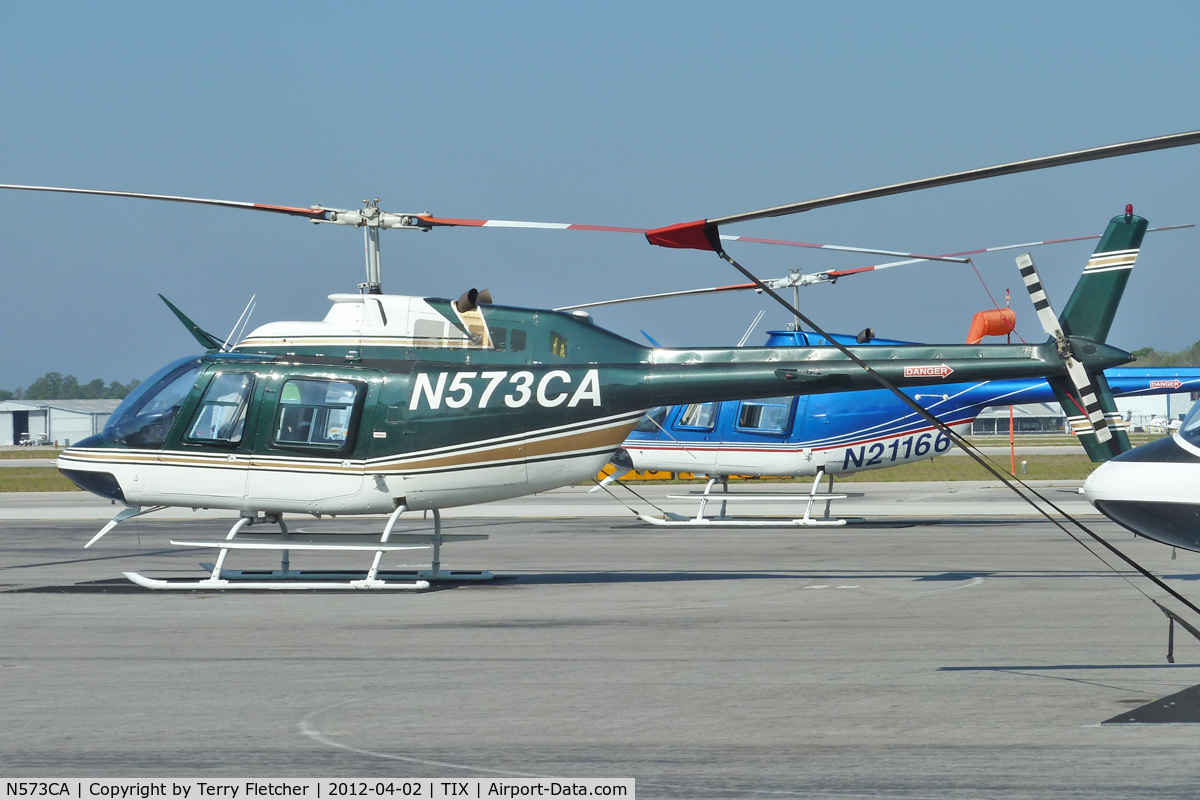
{"x":309,"y":729}
{"x":976,"y":581}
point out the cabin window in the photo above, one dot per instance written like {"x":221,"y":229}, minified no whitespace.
{"x":653,"y":420}
{"x":429,"y":332}
{"x":221,"y":416}
{"x":771,"y":415}
{"x":499,"y":337}
{"x":316,"y":413}
{"x":700,"y":416}
{"x":558,"y":344}
{"x":517,"y":341}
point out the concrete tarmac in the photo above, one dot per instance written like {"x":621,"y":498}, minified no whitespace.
{"x":941,"y":650}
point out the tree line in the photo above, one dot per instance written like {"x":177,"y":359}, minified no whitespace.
{"x":1149,"y":357}
{"x":56,"y":386}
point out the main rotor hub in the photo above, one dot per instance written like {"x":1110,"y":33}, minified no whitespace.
{"x":372,"y":220}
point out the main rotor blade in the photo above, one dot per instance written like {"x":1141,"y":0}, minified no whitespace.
{"x":1012,"y":168}
{"x":450,"y":222}
{"x":427,"y":221}
{"x":829,"y":276}
{"x":310,"y":213}
{"x":696,"y":235}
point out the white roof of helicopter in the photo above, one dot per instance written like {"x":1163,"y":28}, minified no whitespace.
{"x":384,"y":318}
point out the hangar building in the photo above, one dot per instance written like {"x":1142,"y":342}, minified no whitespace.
{"x":52,"y":421}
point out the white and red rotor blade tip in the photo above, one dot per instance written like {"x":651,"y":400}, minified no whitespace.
{"x":454,"y":222}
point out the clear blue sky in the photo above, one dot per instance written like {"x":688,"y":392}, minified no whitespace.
{"x":639,"y":114}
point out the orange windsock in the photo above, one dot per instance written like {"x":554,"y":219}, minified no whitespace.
{"x":993,"y":322}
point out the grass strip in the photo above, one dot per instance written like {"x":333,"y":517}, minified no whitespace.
{"x":30,"y":452}
{"x":1049,"y":467}
{"x":34,"y":479}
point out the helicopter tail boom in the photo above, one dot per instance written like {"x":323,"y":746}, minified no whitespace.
{"x":690,"y":376}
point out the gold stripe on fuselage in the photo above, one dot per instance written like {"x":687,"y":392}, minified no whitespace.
{"x":609,"y":433}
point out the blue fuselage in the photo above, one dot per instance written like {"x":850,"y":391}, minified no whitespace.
{"x":844,"y":432}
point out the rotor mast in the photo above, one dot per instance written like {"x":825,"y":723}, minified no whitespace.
{"x":372,"y":220}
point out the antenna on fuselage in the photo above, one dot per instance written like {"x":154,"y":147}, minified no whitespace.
{"x":239,"y":326}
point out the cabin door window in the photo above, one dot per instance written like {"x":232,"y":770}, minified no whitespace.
{"x":766,"y":416}
{"x":221,"y":416}
{"x":316,"y":414}
{"x":698,"y":416}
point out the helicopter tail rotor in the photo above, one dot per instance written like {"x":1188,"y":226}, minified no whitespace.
{"x":1088,"y":315}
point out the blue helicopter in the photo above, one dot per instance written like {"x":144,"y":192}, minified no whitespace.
{"x":824,"y":435}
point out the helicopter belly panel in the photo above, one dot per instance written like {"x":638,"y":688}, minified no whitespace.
{"x":764,"y":459}
{"x":548,"y":475}
{"x":672,"y":457}
{"x":189,"y":475}
{"x":307,"y":483}
{"x":469,"y":472}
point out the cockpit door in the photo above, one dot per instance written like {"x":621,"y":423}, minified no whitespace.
{"x":209,"y":449}
{"x":308,"y":450}
{"x":691,"y":439}
{"x":757,"y":442}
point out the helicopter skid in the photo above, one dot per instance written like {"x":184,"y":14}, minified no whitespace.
{"x":810,"y":499}
{"x":238,"y":580}
{"x":723,"y":497}
{"x":355,"y":575}
{"x":284,"y":542}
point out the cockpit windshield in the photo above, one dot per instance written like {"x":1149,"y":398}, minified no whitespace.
{"x":145,"y":417}
{"x":1190,"y":430}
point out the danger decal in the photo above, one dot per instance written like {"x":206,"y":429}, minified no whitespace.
{"x":928,"y":371}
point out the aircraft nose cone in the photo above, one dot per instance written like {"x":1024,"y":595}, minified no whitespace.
{"x":1100,"y":483}
{"x":1152,"y":491}
{"x":76,"y":467}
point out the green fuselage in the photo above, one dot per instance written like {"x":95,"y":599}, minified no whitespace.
{"x":542,"y":400}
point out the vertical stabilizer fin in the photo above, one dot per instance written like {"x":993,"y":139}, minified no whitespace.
{"x":1090,"y":310}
